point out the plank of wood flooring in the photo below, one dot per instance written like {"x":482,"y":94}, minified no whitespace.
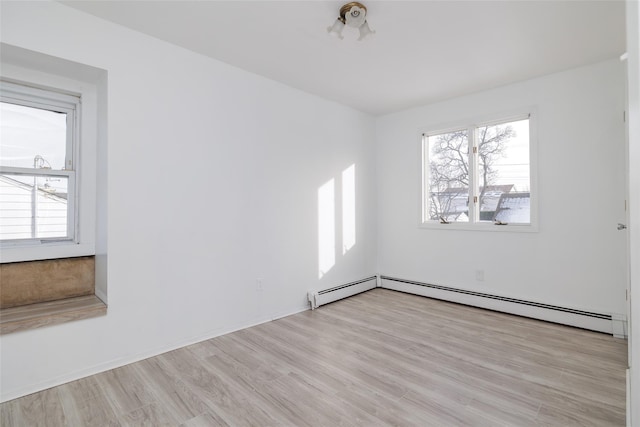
{"x":81,"y":411}
{"x":147,"y":415}
{"x":125,"y":390}
{"x":42,"y":409}
{"x":205,"y":420}
{"x":8,"y":416}
{"x":50,"y":313}
{"x":236,"y":405}
{"x":178,"y":400}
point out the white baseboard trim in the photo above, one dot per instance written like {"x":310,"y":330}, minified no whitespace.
{"x":628,"y":383}
{"x":619,"y":324}
{"x":318,"y":298}
{"x":614,"y":324}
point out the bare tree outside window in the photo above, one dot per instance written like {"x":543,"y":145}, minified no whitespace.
{"x":502,"y":167}
{"x":449,"y":176}
{"x":492,"y":142}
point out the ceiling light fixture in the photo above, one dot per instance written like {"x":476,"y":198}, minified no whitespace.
{"x":353,"y":14}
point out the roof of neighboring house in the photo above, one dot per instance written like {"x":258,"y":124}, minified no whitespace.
{"x":455,"y":217}
{"x":459,"y":199}
{"x":492,"y":196}
{"x":505,"y":188}
{"x":62,"y":197}
{"x":514,"y":208}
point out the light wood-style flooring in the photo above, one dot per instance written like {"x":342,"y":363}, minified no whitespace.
{"x":379,"y":358}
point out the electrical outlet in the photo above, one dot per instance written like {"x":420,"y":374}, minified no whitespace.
{"x":480,"y":275}
{"x":259,"y":285}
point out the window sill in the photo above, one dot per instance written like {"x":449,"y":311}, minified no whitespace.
{"x":462,"y":226}
{"x":50,"y":313}
{"x":44,"y":251}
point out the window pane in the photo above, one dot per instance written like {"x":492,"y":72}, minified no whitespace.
{"x":504,"y":172}
{"x":32,"y":137}
{"x":448,"y":196}
{"x":33,"y":207}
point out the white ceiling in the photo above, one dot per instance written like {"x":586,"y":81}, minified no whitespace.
{"x":423,"y":51}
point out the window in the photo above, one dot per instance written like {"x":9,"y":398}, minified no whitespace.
{"x":478,"y":175}
{"x":38,"y":142}
{"x":53,"y":189}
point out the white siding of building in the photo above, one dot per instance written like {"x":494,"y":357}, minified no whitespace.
{"x":16,"y":212}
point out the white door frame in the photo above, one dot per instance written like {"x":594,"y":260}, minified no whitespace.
{"x":633,"y":114}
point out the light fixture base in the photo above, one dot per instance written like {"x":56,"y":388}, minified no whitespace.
{"x":352,"y":14}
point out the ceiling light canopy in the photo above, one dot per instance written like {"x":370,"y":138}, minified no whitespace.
{"x":354,"y":15}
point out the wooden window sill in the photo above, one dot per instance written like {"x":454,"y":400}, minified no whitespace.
{"x":33,"y":316}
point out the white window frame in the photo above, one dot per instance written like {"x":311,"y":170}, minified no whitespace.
{"x":56,"y":102}
{"x":471,"y":126}
{"x":83,"y":166}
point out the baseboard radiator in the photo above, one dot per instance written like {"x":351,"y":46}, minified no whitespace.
{"x":318,"y":298}
{"x":614,"y":324}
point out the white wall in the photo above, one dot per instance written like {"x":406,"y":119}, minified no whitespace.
{"x":577,"y":258}
{"x":212,"y":182}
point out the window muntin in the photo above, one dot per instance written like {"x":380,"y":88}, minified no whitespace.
{"x":478,"y":174}
{"x":37,"y":176}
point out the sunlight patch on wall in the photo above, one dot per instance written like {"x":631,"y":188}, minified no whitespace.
{"x":348,"y":208}
{"x":326,"y":228}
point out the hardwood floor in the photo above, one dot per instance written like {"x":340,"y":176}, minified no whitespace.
{"x":379,"y":358}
